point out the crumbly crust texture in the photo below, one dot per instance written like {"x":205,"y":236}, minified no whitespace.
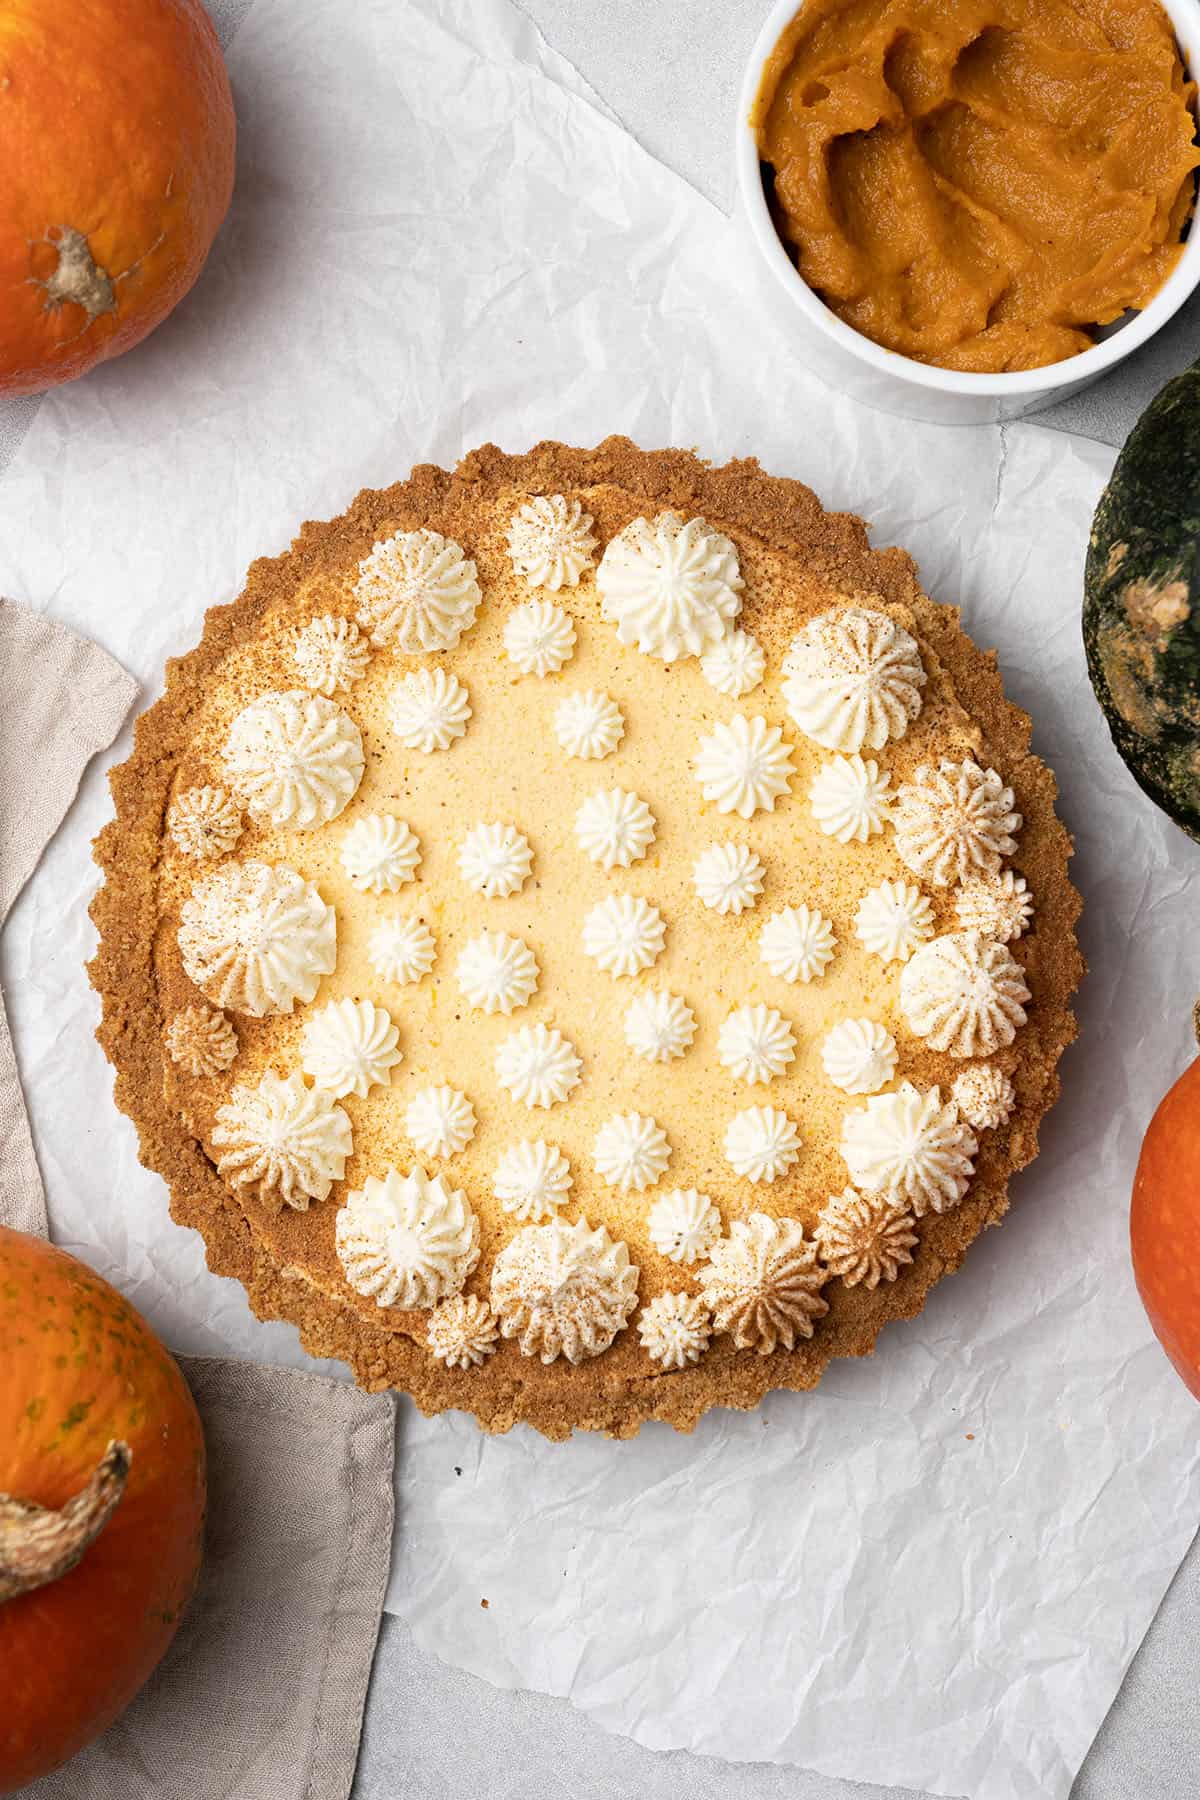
{"x":140,"y":989}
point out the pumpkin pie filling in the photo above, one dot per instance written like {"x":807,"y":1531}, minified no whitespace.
{"x":980,"y":184}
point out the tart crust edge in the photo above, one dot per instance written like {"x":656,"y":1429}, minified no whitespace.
{"x":782,"y":513}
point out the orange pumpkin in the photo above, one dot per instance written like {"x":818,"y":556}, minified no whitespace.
{"x":101,"y":1505}
{"x":1164,"y":1224}
{"x":116,"y":167}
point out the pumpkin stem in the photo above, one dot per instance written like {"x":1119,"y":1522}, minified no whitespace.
{"x":1196,"y":1021}
{"x":39,"y":1544}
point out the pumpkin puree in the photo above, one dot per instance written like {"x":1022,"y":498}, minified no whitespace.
{"x":980,"y":183}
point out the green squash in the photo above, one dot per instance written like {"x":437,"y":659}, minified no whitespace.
{"x":1141,"y":607}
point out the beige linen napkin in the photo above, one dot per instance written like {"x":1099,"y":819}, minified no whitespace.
{"x":61,"y":700}
{"x":261,"y":1695}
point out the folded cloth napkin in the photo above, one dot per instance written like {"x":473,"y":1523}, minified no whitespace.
{"x":261,"y":1695}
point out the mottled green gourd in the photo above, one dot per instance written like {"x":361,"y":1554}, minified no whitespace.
{"x":1141,"y":608}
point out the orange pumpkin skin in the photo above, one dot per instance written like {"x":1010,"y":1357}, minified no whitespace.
{"x":79,"y":1366}
{"x":1164,"y":1225}
{"x":117,"y":144}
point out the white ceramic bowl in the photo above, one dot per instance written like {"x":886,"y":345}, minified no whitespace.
{"x":854,"y":364}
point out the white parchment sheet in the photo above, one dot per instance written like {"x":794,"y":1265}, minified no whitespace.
{"x":934,"y":1571}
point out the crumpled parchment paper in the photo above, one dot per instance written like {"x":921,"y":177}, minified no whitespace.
{"x":935,"y":1570}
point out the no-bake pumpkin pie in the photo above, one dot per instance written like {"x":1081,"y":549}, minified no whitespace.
{"x":585,"y":938}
